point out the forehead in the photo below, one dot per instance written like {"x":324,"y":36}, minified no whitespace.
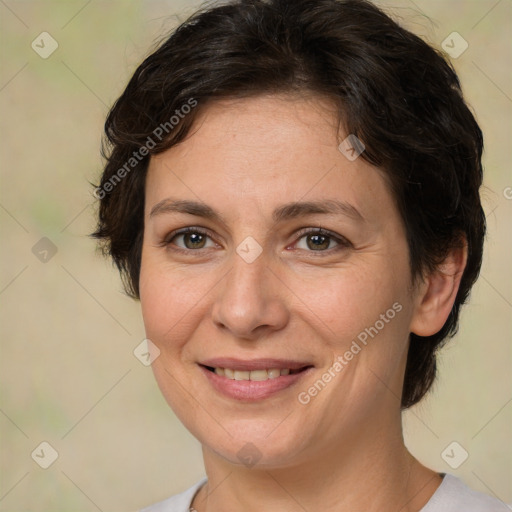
{"x":264,"y":129}
{"x":262,"y":151}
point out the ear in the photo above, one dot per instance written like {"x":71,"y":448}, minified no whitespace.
{"x":436,"y":295}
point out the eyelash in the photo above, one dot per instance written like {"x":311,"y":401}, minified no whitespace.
{"x":342,"y":242}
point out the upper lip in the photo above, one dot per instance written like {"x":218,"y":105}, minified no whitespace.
{"x":254,"y":364}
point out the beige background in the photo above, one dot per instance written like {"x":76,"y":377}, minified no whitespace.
{"x":68,"y":373}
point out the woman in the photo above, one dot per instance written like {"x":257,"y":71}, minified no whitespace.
{"x":292,"y":192}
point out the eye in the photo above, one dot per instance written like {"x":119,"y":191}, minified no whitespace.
{"x":321,"y":240}
{"x":192,"y":238}
{"x":312,"y":240}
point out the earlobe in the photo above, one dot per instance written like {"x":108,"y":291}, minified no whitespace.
{"x":437,"y":293}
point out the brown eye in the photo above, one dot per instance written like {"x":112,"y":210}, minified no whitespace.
{"x":189,"y":239}
{"x":194,"y":240}
{"x":319,"y":240}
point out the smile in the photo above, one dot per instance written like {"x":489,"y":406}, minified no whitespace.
{"x":258,"y":375}
{"x":253,"y":380}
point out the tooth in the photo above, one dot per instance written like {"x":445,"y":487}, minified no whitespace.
{"x":274,"y":373}
{"x":259,"y":375}
{"x":256,"y":375}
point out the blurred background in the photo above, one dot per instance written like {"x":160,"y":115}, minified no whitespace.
{"x":68,"y":373}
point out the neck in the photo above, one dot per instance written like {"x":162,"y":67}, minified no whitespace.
{"x":363,"y":473}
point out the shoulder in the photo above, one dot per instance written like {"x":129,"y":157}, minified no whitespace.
{"x":177,"y":503}
{"x":453,"y":496}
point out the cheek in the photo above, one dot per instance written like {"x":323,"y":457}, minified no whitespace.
{"x":345,"y":301}
{"x":167,"y":299}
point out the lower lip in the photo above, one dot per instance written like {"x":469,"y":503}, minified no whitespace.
{"x":251,"y":390}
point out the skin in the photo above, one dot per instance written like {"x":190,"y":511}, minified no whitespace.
{"x":344,"y":450}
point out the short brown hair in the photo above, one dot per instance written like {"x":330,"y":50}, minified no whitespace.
{"x":393,"y":91}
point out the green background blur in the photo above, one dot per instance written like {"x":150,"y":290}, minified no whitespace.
{"x":68,"y":372}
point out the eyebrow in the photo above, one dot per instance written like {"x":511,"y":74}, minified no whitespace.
{"x":284,"y":212}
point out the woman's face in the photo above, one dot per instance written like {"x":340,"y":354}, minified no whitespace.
{"x":254,"y":288}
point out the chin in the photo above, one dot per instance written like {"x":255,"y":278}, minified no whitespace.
{"x":254,"y":443}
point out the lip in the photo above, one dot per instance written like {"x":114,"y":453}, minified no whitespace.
{"x":249,"y":390}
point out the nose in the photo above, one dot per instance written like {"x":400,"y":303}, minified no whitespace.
{"x":251,"y":300}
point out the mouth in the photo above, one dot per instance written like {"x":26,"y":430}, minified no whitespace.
{"x":253,"y":380}
{"x":254,"y":375}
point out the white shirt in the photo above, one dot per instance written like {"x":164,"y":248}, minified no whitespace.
{"x":451,"y":496}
